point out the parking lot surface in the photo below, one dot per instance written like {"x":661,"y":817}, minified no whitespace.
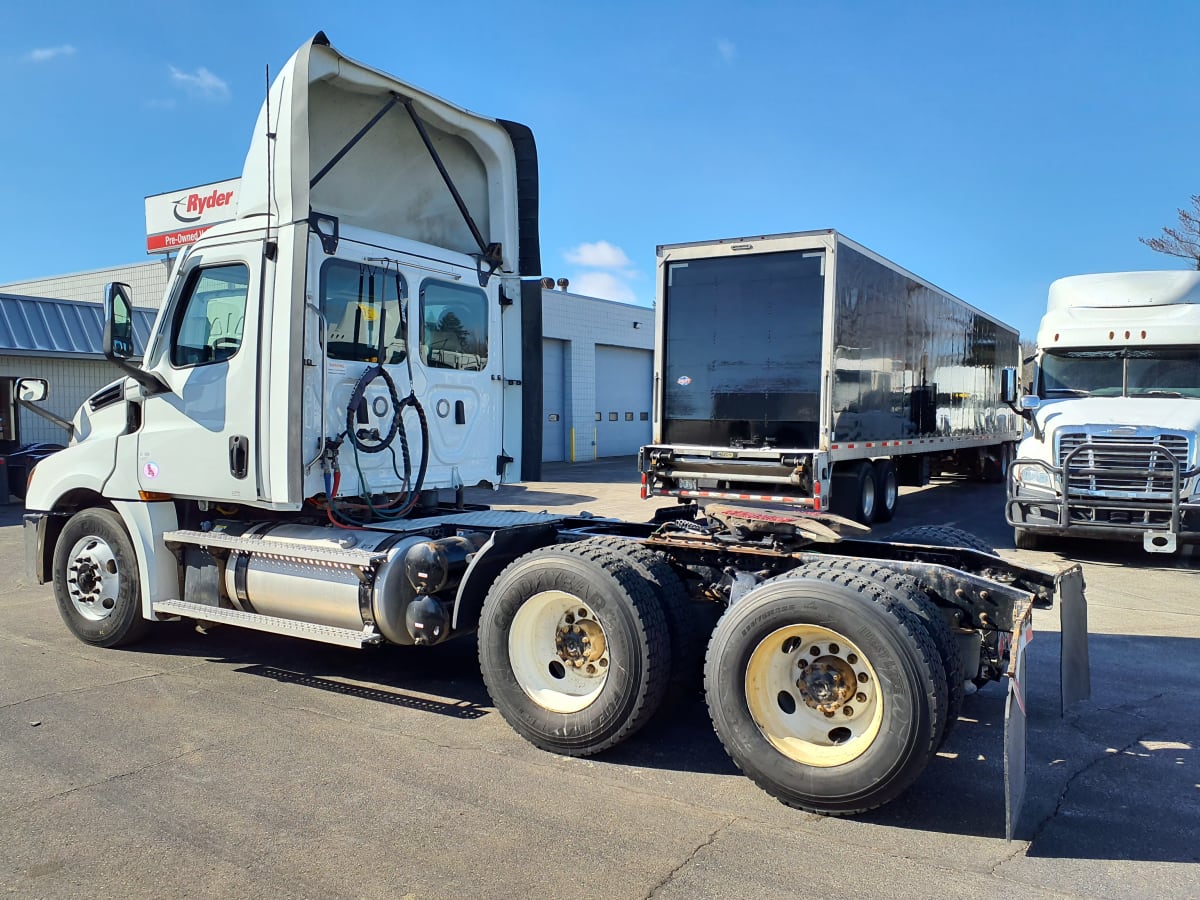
{"x":239,"y":764}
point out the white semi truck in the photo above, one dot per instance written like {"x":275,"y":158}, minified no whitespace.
{"x":805,"y":369}
{"x":1111,"y":450}
{"x":363,"y":339}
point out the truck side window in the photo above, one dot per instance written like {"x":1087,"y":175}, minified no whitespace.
{"x":366,"y":311}
{"x":454,"y":326}
{"x":212,"y":312}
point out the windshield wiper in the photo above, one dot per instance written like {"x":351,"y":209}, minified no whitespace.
{"x":1156,"y":393}
{"x":1073,"y":392}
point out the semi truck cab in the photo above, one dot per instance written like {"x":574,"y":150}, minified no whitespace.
{"x":1113,"y":411}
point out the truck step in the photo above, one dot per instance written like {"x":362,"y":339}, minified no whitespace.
{"x":343,"y":637}
{"x":276,"y":549}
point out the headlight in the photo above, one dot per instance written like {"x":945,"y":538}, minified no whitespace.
{"x":1033,"y":476}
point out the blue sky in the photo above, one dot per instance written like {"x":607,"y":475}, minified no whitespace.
{"x":989,"y":148}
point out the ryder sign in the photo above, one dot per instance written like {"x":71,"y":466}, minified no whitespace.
{"x":178,"y":218}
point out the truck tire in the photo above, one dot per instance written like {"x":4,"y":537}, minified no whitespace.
{"x":96,"y":582}
{"x":887,"y":489}
{"x":574,"y":648}
{"x":854,"y":493}
{"x":942,"y":536}
{"x":689,"y":622}
{"x":775,"y":679}
{"x":909,"y":592}
{"x":1025,"y":539}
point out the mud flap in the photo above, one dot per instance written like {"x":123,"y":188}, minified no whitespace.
{"x":1076,"y":677}
{"x":1014,"y":726}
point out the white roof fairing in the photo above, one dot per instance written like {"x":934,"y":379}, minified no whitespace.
{"x":387,"y":182}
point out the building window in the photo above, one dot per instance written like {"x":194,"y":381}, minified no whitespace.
{"x":645,"y":417}
{"x":628,"y":417}
{"x":599,"y":416}
{"x":612,"y":417}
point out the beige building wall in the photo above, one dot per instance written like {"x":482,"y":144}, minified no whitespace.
{"x":147,"y":279}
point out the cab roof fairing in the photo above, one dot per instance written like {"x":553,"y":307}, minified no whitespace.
{"x":387,"y":182}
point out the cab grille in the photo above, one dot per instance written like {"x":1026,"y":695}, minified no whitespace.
{"x":1140,"y":465}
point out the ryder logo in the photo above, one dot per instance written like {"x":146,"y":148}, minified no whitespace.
{"x":193,"y":206}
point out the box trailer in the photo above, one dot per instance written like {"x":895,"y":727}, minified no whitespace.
{"x":805,"y":369}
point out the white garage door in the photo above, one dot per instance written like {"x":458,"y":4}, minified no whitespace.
{"x":623,"y":390}
{"x":554,"y":413}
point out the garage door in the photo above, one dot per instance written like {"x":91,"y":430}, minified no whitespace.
{"x":624,"y":378}
{"x":554,"y":431}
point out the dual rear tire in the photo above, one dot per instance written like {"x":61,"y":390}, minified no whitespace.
{"x":867,"y":491}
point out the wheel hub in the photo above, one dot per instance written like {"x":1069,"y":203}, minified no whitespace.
{"x":826,"y":684}
{"x":92,"y":579}
{"x":579,"y":640}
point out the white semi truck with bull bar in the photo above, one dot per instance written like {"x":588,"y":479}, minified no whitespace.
{"x":361,"y":341}
{"x":1113,"y":412}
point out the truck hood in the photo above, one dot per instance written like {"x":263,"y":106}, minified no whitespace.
{"x":387,"y":182}
{"x":1172,"y":414}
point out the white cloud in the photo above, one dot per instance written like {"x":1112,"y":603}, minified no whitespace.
{"x":45,"y":54}
{"x":727,"y":49}
{"x":605,"y":285}
{"x":201,"y":83}
{"x":599,"y":255}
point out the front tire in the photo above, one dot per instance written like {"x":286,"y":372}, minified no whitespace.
{"x":825,"y":691}
{"x":96,"y":581}
{"x":574,"y":648}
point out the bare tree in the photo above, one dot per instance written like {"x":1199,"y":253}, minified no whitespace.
{"x":1183,"y":241}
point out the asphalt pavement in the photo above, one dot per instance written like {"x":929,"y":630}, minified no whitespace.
{"x":237,"y":764}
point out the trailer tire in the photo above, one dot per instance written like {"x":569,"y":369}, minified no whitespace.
{"x":887,"y":489}
{"x":779,"y":734}
{"x":96,"y":583}
{"x":909,"y":592}
{"x":854,"y":494}
{"x":689,"y":622}
{"x":569,"y":603}
{"x":942,"y":536}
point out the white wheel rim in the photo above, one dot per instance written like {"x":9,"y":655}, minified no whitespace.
{"x":891,"y":489}
{"x":558,"y":651}
{"x":93,"y":579}
{"x":814,"y":695}
{"x":868,"y":497}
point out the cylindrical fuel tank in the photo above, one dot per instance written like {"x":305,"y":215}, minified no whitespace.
{"x":321,"y":592}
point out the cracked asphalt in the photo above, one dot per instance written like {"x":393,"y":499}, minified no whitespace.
{"x":236,"y":764}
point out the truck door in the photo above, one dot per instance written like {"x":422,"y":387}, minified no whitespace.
{"x":198,"y":438}
{"x":458,"y":376}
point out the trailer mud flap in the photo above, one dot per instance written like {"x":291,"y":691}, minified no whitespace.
{"x":1014,"y":727}
{"x":1076,"y":678}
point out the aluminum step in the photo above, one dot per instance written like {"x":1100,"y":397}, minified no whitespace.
{"x":275,"y":549}
{"x":343,"y":637}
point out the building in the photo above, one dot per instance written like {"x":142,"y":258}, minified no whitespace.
{"x":597,"y":358}
{"x":60,"y":341}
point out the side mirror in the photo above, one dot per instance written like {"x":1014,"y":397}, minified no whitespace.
{"x":118,"y":321}
{"x":1008,"y":385}
{"x":1030,"y":402}
{"x":32,"y":390}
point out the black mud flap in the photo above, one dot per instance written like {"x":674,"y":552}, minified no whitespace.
{"x":1072,"y":610}
{"x":1014,"y":726}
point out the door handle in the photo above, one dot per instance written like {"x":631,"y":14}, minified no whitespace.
{"x":239,"y":455}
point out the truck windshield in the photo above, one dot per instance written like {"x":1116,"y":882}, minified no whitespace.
{"x":1127,"y":372}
